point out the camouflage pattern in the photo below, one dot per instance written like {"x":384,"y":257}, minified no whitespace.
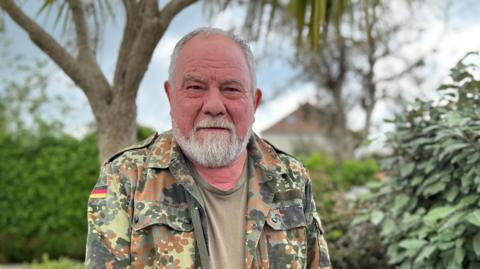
{"x":144,"y":220}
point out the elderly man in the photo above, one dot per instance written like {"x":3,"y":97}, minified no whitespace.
{"x":209,"y":193}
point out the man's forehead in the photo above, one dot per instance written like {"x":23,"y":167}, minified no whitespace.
{"x":213,"y":47}
{"x":213,"y":55}
{"x":210,"y":40}
{"x":201,"y":79}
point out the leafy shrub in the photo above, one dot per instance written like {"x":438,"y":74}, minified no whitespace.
{"x":343,"y":174}
{"x":45,"y":181}
{"x":350,"y":246}
{"x":62,"y":263}
{"x":429,"y":209}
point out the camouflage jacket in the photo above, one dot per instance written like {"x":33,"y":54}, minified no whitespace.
{"x":138,"y":212}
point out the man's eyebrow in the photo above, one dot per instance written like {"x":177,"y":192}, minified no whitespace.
{"x":189,"y":78}
{"x":232,"y":81}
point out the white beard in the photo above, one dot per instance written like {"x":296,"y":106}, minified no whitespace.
{"x":214,"y":151}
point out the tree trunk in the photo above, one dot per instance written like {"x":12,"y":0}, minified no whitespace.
{"x":344,"y":148}
{"x":113,"y":105}
{"x":116,"y":126}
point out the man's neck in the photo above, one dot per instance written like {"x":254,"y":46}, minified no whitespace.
{"x":223,"y":178}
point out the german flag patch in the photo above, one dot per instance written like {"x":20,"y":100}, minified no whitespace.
{"x":99,"y":192}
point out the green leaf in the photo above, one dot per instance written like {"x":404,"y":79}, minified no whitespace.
{"x":416,"y":180}
{"x":467,"y":201}
{"x":406,"y":169}
{"x":361,"y":219}
{"x":400,"y":201}
{"x":450,"y":149}
{"x":473,"y":158}
{"x":430,"y":166}
{"x":377,"y":217}
{"x":452,"y":221}
{"x":409,"y":219}
{"x":388,"y":227}
{"x":437,"y":213}
{"x":374,"y":184}
{"x":476,"y":244}
{"x":452,"y":194}
{"x":459,"y":252}
{"x":434,"y":188}
{"x":412,"y":244}
{"x":421,"y":141}
{"x":474,"y":218}
{"x":425,"y":253}
{"x":445,"y":246}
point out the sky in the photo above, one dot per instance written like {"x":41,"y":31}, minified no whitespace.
{"x":273,"y":73}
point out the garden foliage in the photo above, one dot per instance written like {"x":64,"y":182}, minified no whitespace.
{"x":429,"y":208}
{"x":62,"y":263}
{"x":334,"y":187}
{"x":45,"y":181}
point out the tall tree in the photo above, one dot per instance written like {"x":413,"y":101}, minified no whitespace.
{"x":344,"y":60}
{"x":113,"y":104}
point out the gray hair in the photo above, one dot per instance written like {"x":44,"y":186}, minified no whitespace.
{"x":207,"y":31}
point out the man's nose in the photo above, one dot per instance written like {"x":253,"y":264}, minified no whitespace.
{"x":213,"y":103}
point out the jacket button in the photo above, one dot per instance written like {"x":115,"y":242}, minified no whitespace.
{"x":187,"y":221}
{"x":136,"y":219}
{"x":275,"y":219}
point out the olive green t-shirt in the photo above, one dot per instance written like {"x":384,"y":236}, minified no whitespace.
{"x":226,"y":222}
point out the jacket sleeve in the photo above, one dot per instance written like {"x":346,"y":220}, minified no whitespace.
{"x":317,"y":250}
{"x":108,"y":239}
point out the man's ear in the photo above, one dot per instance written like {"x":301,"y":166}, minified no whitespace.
{"x":168,"y":90}
{"x":257,"y":98}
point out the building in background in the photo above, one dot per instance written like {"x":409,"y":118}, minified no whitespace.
{"x":305,"y":130}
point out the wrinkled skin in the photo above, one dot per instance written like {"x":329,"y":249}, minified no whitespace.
{"x":143,"y":221}
{"x":212,"y":79}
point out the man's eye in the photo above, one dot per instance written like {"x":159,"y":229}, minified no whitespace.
{"x":194,"y":87}
{"x":232,"y":89}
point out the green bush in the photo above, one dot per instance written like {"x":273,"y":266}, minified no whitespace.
{"x":61,"y":263}
{"x":350,"y":246}
{"x":343,"y":174}
{"x":429,"y":209}
{"x":45,"y":181}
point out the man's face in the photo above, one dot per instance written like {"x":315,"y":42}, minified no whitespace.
{"x":212,"y":103}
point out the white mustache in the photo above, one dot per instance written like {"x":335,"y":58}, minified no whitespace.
{"x":215,"y":123}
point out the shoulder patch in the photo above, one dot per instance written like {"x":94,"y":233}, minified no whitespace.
{"x":145,"y":143}
{"x":99,"y":192}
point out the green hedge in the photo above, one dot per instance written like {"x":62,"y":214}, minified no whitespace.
{"x":45,"y":181}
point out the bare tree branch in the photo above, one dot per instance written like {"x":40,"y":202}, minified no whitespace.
{"x":132,"y":28}
{"x":154,"y":24}
{"x":173,"y":8}
{"x":90,"y":80}
{"x":138,"y":57}
{"x":44,"y":40}
{"x":402,"y":73}
{"x":81,"y":30}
